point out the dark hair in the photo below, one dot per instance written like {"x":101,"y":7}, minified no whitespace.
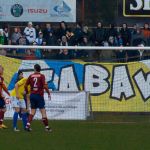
{"x":18,"y":74}
{"x":37,"y":67}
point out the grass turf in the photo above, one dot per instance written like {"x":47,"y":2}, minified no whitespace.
{"x":78,"y":135}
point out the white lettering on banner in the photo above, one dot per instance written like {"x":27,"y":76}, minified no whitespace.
{"x":68,"y":80}
{"x":142,"y":81}
{"x":146,"y":5}
{"x":121,"y":83}
{"x":140,"y":4}
{"x":96,"y":79}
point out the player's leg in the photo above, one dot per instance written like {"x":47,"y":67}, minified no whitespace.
{"x":33,"y":102}
{"x":16,"y":107}
{"x":30,"y":118}
{"x":41,"y":106}
{"x":45,"y":120}
{"x":23,"y":113}
{"x":2,"y":112}
{"x":15,"y":118}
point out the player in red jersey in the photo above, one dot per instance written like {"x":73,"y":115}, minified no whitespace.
{"x":2,"y":102}
{"x":38,"y":85}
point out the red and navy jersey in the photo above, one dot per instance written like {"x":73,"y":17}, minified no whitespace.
{"x":36,"y":82}
{"x":1,"y":85}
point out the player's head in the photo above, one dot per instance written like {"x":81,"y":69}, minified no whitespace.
{"x":19,"y":75}
{"x":1,"y":70}
{"x":37,"y":68}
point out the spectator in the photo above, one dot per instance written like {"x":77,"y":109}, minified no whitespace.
{"x":106,"y":56}
{"x":51,"y":40}
{"x":37,"y":29}
{"x":64,"y":53}
{"x":111,"y":41}
{"x":125,"y":34}
{"x":15,"y":36}
{"x":146,"y":33}
{"x":99,"y":35}
{"x":78,"y":33}
{"x":134,"y":29}
{"x":23,"y":40}
{"x":40,"y":40}
{"x":1,"y":37}
{"x":87,"y":33}
{"x":111,"y":32}
{"x":138,"y":38}
{"x":30,"y":33}
{"x":62,"y":30}
{"x":38,"y":52}
{"x":6,"y":36}
{"x":119,"y":40}
{"x":70,"y":37}
{"x":85,"y":53}
{"x":2,"y":51}
{"x":47,"y":31}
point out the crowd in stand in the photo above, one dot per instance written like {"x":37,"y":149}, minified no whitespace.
{"x":77,"y":36}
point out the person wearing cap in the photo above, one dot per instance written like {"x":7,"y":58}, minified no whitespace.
{"x":30,"y":33}
{"x":40,"y":40}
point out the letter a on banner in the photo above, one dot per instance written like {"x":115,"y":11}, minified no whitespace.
{"x":68,"y":80}
{"x":121,"y":83}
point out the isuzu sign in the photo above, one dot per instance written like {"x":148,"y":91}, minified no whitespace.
{"x":136,"y":8}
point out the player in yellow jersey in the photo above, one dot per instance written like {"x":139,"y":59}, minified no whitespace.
{"x":18,"y":102}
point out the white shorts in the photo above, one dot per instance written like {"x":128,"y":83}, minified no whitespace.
{"x":18,"y":103}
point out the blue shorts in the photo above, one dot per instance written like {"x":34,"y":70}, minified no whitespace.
{"x":2,"y":103}
{"x":37,"y":101}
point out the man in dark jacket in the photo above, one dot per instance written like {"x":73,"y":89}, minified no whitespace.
{"x":99,"y":34}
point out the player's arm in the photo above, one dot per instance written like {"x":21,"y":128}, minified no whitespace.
{"x":46,"y":86}
{"x":28,"y":101}
{"x":46,"y":89}
{"x":5,"y":89}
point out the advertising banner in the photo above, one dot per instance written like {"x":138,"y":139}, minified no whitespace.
{"x":38,"y":10}
{"x":117,"y":87}
{"x":133,"y":11}
{"x":63,"y":105}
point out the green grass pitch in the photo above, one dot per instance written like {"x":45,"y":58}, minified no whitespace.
{"x":79,"y":135}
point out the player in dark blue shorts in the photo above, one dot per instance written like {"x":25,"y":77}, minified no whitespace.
{"x":38,"y":85}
